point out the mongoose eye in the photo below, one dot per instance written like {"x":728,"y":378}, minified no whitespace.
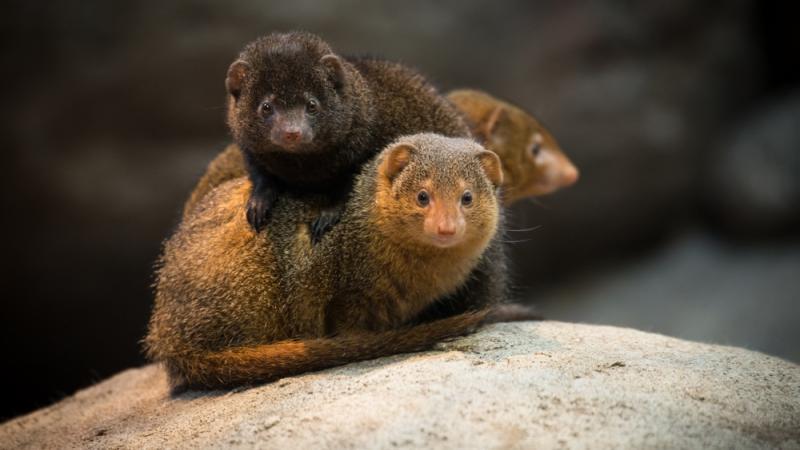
{"x":266,"y":108}
{"x":537,"y":147}
{"x":423,"y":198}
{"x":312,"y":106}
{"x":466,"y":198}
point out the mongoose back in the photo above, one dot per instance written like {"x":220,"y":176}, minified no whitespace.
{"x":234,"y":306}
{"x":306,"y":118}
{"x":533,"y":162}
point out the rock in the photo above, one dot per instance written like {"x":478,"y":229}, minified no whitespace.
{"x":523,"y":385}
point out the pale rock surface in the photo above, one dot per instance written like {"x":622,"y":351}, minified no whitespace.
{"x":521,"y":385}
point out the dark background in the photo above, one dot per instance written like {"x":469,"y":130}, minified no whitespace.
{"x":683,"y":116}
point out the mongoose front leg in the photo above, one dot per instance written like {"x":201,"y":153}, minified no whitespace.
{"x":328,"y":217}
{"x":262,"y":199}
{"x":330,"y":214}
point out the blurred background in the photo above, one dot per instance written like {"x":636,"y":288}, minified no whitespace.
{"x":683,"y":116}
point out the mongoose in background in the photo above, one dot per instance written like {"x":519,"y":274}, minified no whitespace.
{"x":234,"y":306}
{"x":533,"y":162}
{"x":306,"y":119}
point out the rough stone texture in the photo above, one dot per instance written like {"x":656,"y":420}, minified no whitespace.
{"x":524,"y":385}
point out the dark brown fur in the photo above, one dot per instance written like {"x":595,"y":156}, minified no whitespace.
{"x":505,"y":129}
{"x":234,"y":306}
{"x":362,"y":104}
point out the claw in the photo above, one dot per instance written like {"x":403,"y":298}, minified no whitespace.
{"x":259,"y":206}
{"x":322,"y":224}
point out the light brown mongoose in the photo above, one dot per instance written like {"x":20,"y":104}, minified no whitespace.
{"x":533,"y":162}
{"x":234,"y":306}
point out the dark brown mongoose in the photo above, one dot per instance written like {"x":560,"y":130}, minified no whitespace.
{"x":533,"y":162}
{"x":306,"y":119}
{"x":234,"y":306}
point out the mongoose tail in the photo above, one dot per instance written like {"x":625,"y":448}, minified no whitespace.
{"x":269,"y":362}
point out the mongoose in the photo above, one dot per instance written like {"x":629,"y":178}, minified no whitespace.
{"x":533,"y":162}
{"x":306,"y":118}
{"x":234,"y":306}
{"x":533,"y":165}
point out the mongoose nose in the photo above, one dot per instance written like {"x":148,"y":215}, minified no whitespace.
{"x":291,"y":135}
{"x":446,"y":229}
{"x":569,"y":176}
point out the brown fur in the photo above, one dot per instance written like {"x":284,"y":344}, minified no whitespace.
{"x":339,"y":111}
{"x":267,"y":362}
{"x":234,"y":306}
{"x":505,"y":130}
{"x":533,"y":162}
{"x":224,"y":167}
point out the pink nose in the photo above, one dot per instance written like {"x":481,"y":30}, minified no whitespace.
{"x":570,"y":175}
{"x":291,"y":136}
{"x":446,"y":229}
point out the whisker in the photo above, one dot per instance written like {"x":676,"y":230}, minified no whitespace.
{"x":525,"y":230}
{"x":538,"y":202}
{"x":518,"y":241}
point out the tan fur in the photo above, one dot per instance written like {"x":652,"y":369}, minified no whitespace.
{"x":504,"y":128}
{"x":224,"y":167}
{"x":512,"y":133}
{"x":233,"y":306}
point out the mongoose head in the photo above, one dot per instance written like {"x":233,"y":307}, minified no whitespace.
{"x":287,"y":92}
{"x":533,"y":162}
{"x":439,"y":192}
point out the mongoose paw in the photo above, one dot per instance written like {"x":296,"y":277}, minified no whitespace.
{"x":258,"y":207}
{"x":322,"y":224}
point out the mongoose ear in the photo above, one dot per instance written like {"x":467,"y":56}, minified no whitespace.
{"x":334,"y":66}
{"x":236,"y":73}
{"x":395,"y":160}
{"x":491,"y":121}
{"x":492,"y":166}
